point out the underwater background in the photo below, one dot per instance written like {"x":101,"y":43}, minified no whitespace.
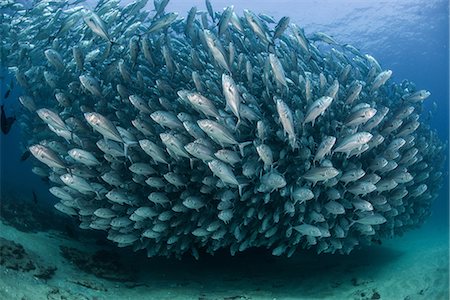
{"x":411,"y":38}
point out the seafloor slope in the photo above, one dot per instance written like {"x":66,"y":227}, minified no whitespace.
{"x":52,"y":265}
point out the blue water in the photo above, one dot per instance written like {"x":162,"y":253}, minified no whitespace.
{"x":410,"y":37}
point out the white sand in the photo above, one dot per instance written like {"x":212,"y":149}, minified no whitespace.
{"x":407,"y":268}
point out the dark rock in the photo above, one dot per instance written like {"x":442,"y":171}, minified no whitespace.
{"x":26,"y":216}
{"x":359,"y":281}
{"x":336,"y":284}
{"x":132,"y":285}
{"x":375,"y":295}
{"x":61,"y":294}
{"x":103,"y":264}
{"x":13,"y":256}
{"x":89,"y":284}
{"x":46,"y":273}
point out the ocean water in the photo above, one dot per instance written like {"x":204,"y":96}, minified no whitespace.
{"x":411,"y":38}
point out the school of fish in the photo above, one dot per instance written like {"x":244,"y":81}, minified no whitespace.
{"x":216,"y":130}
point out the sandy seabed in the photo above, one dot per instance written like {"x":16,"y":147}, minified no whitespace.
{"x":415,"y":266}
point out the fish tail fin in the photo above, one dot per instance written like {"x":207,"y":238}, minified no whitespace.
{"x":237,"y":124}
{"x":271,"y":46}
{"x":294,"y":143}
{"x":242,"y":145}
{"x":130,"y":159}
{"x":241,"y":183}
{"x":275,"y":165}
{"x":240,"y":190}
{"x":125,"y":149}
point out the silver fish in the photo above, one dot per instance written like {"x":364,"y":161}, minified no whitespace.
{"x":381,"y":79}
{"x":162,"y":22}
{"x":287,"y":120}
{"x":375,"y":219}
{"x":84,"y":157}
{"x":96,"y":24}
{"x":309,"y":230}
{"x":103,"y":126}
{"x":47,"y":156}
{"x":320,"y":174}
{"x":232,"y":97}
{"x":51,"y":118}
{"x":224,"y":172}
{"x":316,"y":109}
{"x":203,"y":104}
{"x":354,"y":141}
{"x":277,"y":69}
{"x":324,"y":148}
{"x":418,"y":96}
